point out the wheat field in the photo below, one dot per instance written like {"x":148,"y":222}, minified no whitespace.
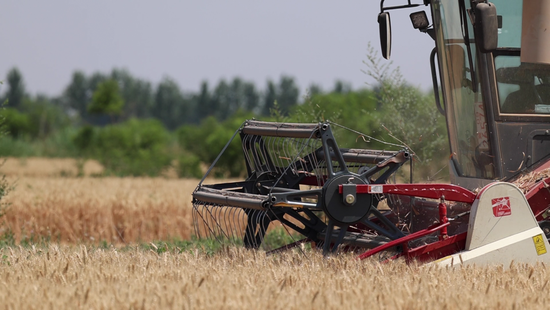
{"x":45,"y":204}
{"x":114,"y":210}
{"x":72,"y":271}
{"x":49,"y":167}
{"x":61,"y":277}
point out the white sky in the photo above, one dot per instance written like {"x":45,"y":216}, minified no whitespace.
{"x":315,"y":41}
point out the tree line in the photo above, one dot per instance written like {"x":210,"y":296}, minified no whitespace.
{"x":166,"y":101}
{"x":133,"y":127}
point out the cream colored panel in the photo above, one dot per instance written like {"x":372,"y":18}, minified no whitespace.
{"x":535,"y":33}
{"x":500,"y":211}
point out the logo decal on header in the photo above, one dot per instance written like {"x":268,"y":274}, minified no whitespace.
{"x":501,"y":206}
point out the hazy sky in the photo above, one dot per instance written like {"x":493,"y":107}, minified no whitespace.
{"x":315,"y":41}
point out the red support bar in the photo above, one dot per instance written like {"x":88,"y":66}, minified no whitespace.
{"x":434,"y":191}
{"x":438,"y":249}
{"x":443,"y":219}
{"x":538,"y":197}
{"x":402,"y":240}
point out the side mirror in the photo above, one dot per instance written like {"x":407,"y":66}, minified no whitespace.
{"x":486,"y":27}
{"x":385,"y":34}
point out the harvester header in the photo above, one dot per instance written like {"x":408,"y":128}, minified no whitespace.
{"x":491,"y":66}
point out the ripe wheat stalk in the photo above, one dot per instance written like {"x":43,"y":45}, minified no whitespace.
{"x":91,"y":210}
{"x":83,"y":277}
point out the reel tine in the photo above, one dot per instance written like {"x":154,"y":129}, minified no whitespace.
{"x":262,"y":230}
{"x":206,"y":221}
{"x":228,"y":232}
{"x":200,"y":228}
{"x":222,"y":219}
{"x":195,"y":221}
{"x":242,"y":222}
{"x":216,"y":217}
{"x":255,"y":219}
{"x":236,"y":221}
{"x":213,"y":223}
{"x":266,"y":223}
{"x":256,"y":229}
{"x":233,"y":224}
{"x":230,"y":219}
{"x":250,"y":229}
{"x":245,"y":141}
{"x":204,"y":216}
{"x":219,"y":224}
{"x":286,"y":149}
{"x":258,"y":237}
{"x":211,"y":227}
{"x":281,"y":150}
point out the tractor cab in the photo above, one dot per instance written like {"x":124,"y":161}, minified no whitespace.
{"x":494,"y":75}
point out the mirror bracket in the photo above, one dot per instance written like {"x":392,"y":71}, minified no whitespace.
{"x":404,"y":6}
{"x":385,"y":24}
{"x":420,"y":21}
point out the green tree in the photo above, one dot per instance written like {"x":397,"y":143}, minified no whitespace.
{"x":229,"y":98}
{"x":134,"y":147}
{"x":46,"y":116}
{"x":409,"y":117}
{"x":226,"y":99}
{"x":251,"y":97}
{"x":5,"y":186}
{"x":16,"y":89}
{"x":220,"y":104}
{"x":15,"y":123}
{"x":136,"y":93}
{"x":106,"y":99}
{"x":207,"y":140}
{"x":95,"y":80}
{"x":286,"y":94}
{"x":77,"y":94}
{"x":355,"y":110}
{"x":314,"y":90}
{"x":170,"y":107}
{"x":202,"y":103}
{"x":269,"y":98}
{"x":341,"y":87}
{"x":37,"y":118}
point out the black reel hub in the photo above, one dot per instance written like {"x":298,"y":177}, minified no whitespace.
{"x":349,"y":208}
{"x":264,"y":182}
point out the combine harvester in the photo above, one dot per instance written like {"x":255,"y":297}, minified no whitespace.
{"x":494,"y":72}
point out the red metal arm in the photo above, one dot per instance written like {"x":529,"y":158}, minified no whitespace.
{"x":434,"y":191}
{"x":402,"y":240}
{"x":538,"y":197}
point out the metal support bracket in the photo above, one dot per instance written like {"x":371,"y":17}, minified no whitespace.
{"x":349,"y":194}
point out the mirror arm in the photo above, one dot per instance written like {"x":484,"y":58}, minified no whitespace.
{"x":408,"y":5}
{"x":430,"y":32}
